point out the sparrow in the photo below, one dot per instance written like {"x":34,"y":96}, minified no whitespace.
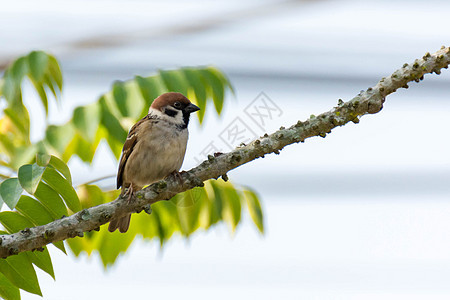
{"x":154,"y":148}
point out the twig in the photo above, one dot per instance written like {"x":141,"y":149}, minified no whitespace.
{"x":97,"y":179}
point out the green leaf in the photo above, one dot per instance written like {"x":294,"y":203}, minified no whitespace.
{"x":188,"y":209}
{"x":91,"y":195}
{"x":83,"y":148}
{"x":30,"y":176}
{"x":86,"y":119}
{"x":19,"y":270}
{"x":120,"y":98}
{"x":22,"y":123}
{"x":14,"y":222}
{"x":42,"y":260}
{"x":71,"y":149}
{"x":55,"y":72}
{"x":51,"y":200}
{"x":216,"y":87}
{"x":11,"y":90}
{"x":169,"y":222}
{"x":144,"y":225}
{"x":42,"y":95}
{"x":10,"y":191}
{"x":59,"y":136}
{"x":112,"y":244}
{"x":185,"y":199}
{"x":114,"y":145}
{"x":174,"y":81}
{"x":63,"y":187}
{"x":51,"y":84}
{"x":150,"y":88}
{"x":42,"y":70}
{"x":23,"y":155}
{"x":7,"y":145}
{"x":61,"y":166}
{"x":34,"y":211}
{"x":8,"y":291}
{"x":204,"y":215}
{"x":194,"y":79}
{"x":160,"y":229}
{"x":255,"y":210}
{"x":111,"y":123}
{"x":43,"y":159}
{"x":37,"y":213}
{"x":18,"y":70}
{"x":37,"y":61}
{"x":233,"y":203}
{"x":222,"y":77}
{"x":216,"y":203}
{"x":60,"y":246}
{"x":76,"y":245}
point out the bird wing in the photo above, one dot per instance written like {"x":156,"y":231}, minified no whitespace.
{"x":128,"y":147}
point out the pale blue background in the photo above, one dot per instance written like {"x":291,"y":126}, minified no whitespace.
{"x":362,"y":214}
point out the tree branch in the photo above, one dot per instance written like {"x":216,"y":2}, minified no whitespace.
{"x":366,"y":102}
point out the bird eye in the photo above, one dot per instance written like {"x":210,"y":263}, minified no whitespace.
{"x":177,"y":104}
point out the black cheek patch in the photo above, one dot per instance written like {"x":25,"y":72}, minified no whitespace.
{"x":170,"y":112}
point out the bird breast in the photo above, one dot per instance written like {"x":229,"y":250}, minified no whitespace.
{"x":156,"y":154}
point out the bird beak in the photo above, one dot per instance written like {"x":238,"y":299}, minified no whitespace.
{"x":191,"y":108}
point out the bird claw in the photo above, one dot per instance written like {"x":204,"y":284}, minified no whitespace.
{"x":178,"y":176}
{"x":129,"y":192}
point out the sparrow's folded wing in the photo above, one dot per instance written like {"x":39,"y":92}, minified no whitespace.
{"x":128,"y":147}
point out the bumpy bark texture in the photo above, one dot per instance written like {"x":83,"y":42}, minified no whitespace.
{"x":369,"y":101}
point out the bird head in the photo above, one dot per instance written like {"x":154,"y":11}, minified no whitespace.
{"x":174,"y":108}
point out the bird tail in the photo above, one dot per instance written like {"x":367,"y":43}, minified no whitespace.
{"x":122,"y":224}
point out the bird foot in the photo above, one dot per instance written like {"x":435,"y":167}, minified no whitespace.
{"x":178,"y":176}
{"x":129,"y":192}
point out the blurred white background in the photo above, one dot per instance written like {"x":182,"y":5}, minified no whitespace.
{"x":361,"y":214}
